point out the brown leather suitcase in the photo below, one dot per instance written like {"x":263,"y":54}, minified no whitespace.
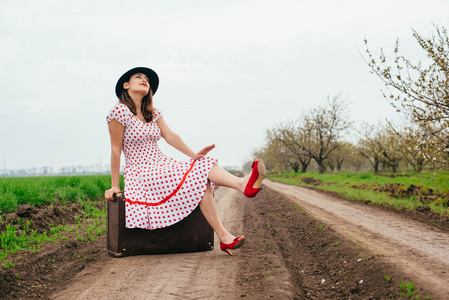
{"x":191,"y":234}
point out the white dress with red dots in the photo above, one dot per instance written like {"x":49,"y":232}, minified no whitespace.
{"x":159,"y":190}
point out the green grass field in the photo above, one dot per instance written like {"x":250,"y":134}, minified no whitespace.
{"x":36,"y":191}
{"x":406,"y":189}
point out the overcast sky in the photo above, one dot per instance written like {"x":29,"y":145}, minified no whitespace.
{"x":228,"y":70}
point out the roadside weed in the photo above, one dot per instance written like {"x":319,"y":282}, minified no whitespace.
{"x":408,"y":288}
{"x":80,"y":237}
{"x":8,"y":265}
{"x":267,"y":243}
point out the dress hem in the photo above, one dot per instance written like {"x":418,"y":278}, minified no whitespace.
{"x":195,"y":205}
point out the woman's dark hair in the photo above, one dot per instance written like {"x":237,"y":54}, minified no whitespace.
{"x":146,"y":107}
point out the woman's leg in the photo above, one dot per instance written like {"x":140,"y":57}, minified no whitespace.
{"x":209,"y":210}
{"x":222,"y":177}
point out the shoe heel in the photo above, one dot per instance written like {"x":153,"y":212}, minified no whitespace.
{"x":262,"y":173}
{"x":237,"y":243}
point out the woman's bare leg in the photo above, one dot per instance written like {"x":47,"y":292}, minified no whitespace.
{"x":209,"y":210}
{"x":222,"y":177}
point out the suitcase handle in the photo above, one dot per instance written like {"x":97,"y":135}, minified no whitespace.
{"x":119,"y":196}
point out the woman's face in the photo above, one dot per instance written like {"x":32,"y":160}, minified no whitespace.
{"x":138,"y":83}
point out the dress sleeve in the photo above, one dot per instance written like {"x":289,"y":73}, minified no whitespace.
{"x":121,"y":113}
{"x":156,"y":114}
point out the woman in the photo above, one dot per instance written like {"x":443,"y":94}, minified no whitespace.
{"x":159,"y":190}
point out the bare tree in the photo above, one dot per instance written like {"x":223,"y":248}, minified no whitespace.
{"x":289,"y":142}
{"x":314,"y":136}
{"x":326,"y":125}
{"x":368,"y":145}
{"x":390,"y":146}
{"x":381,"y":146}
{"x":344,"y":152}
{"x":270,"y":153}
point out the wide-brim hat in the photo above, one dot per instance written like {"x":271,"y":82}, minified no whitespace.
{"x":152,"y":78}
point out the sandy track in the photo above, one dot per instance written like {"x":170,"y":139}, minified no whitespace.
{"x":417,"y":249}
{"x":202,"y":275}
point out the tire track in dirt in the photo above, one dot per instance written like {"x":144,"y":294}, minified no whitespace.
{"x":201,"y":275}
{"x":417,"y":249}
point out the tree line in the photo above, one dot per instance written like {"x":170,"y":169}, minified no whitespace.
{"x":418,"y":91}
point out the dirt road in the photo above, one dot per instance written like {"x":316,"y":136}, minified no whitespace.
{"x":203,"y":275}
{"x":417,"y":249}
{"x":285,"y":257}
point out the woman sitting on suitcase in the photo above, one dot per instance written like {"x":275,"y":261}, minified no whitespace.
{"x":159,"y":190}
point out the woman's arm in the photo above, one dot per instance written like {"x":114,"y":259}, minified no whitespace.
{"x":174,"y":140}
{"x":116,"y":132}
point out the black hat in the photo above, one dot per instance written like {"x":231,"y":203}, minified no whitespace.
{"x":152,"y":78}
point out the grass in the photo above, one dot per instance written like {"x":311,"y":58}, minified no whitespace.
{"x":408,"y":289}
{"x":37,"y":191}
{"x":8,"y":265}
{"x":13,"y":240}
{"x":346,"y":183}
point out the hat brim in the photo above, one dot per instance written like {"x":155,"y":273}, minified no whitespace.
{"x":152,"y":78}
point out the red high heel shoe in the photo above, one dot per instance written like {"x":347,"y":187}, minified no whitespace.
{"x":257,"y":175}
{"x":237,"y":243}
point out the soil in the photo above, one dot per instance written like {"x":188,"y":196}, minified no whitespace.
{"x":400,"y":190}
{"x":300,"y":244}
{"x":311,"y":180}
{"x":34,"y":275}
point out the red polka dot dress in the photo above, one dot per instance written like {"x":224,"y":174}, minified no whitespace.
{"x":159,"y":190}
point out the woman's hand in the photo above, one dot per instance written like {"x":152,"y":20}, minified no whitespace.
{"x":203,"y":152}
{"x":109,"y":194}
{"x":174,"y":140}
